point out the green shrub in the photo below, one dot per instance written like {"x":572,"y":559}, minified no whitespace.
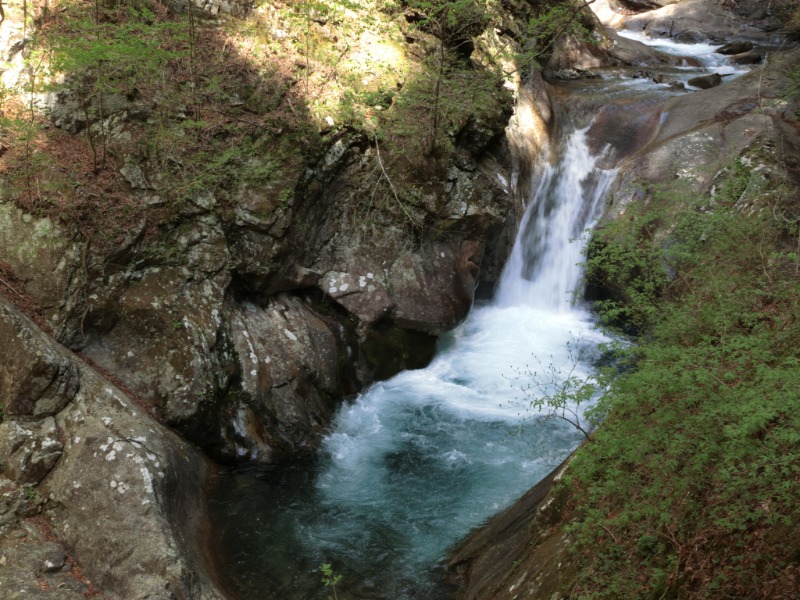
{"x":692,"y":481}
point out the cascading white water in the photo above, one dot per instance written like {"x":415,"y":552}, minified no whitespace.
{"x":417,"y":461}
{"x":705,"y":54}
{"x":544,"y":268}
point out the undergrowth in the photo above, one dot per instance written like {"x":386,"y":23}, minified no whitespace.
{"x":691,"y":487}
{"x":221,"y":105}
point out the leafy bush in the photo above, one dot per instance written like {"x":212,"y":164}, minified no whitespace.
{"x":693,"y":479}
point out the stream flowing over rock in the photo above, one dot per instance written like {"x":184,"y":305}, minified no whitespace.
{"x":526,"y":551}
{"x":231,"y":332}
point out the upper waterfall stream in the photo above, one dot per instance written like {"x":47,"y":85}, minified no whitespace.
{"x":417,"y":461}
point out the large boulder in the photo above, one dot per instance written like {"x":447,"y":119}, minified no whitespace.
{"x":735,"y":48}
{"x":288,"y":381}
{"x":124,"y":494}
{"x":128,"y":498}
{"x":705,"y":82}
{"x":156,"y":327}
{"x":433,"y":289}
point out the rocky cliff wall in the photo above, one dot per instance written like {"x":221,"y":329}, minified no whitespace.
{"x":222,"y":258}
{"x":124,"y":494}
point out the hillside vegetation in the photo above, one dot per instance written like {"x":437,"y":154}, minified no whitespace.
{"x":690,"y":487}
{"x":210,"y":105}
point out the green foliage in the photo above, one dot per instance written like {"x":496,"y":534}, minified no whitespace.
{"x":130,"y":51}
{"x":698,"y":462}
{"x":451,"y":21}
{"x":103,"y":57}
{"x":558,"y":393}
{"x":31,"y":493}
{"x":330,"y":579}
{"x":631,"y":264}
{"x":544,"y":29}
{"x":623,"y":263}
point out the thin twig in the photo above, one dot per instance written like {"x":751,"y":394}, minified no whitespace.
{"x":608,"y":531}
{"x":391,"y":185}
{"x":9,"y":286}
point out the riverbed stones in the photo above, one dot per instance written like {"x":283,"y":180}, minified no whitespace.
{"x":705,"y":82}
{"x":732,"y":48}
{"x":752,"y":57}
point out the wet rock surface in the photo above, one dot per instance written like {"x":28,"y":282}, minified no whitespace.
{"x":705,"y":82}
{"x":518,"y":553}
{"x":706,"y":129}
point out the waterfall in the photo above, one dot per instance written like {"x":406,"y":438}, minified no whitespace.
{"x":419,"y":460}
{"x":544,"y":268}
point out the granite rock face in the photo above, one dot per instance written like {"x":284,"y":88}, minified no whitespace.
{"x":323,"y":248}
{"x":31,"y":565}
{"x":687,"y":21}
{"x":123,"y":494}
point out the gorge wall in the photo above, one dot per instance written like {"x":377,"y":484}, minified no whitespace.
{"x":202,"y":257}
{"x":214,"y":230}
